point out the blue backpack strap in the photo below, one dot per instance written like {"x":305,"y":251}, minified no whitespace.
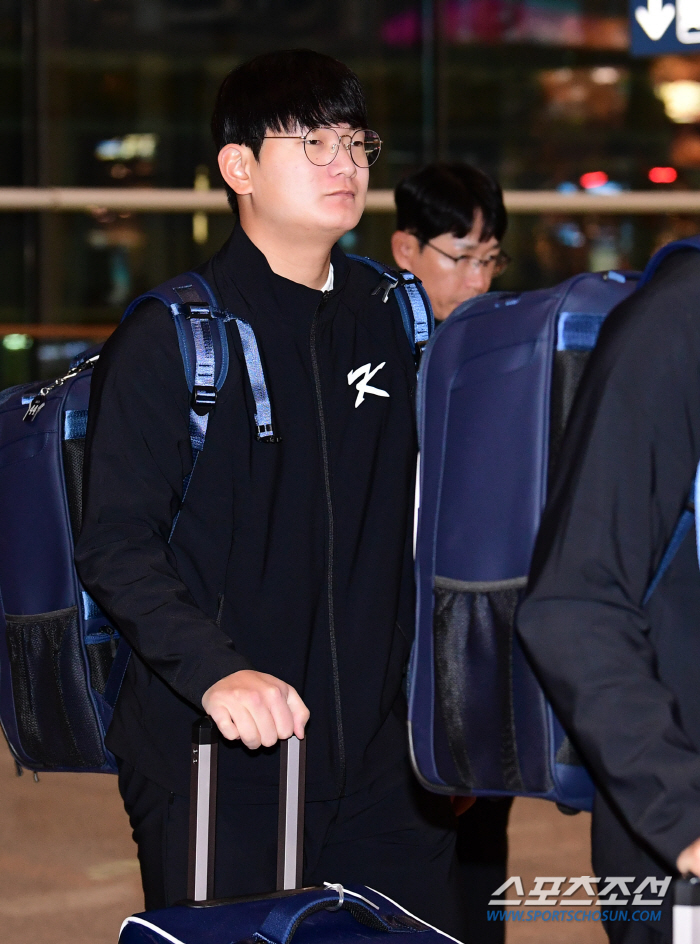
{"x":687,"y":519}
{"x":414,"y":304}
{"x":692,"y":242}
{"x":201,"y":332}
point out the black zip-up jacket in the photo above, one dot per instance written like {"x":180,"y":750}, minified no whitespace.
{"x":291,"y":558}
{"x":624,"y":677}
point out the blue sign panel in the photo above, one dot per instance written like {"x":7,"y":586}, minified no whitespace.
{"x":659,"y":26}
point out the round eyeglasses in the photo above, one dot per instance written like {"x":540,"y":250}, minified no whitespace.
{"x":321,"y":145}
{"x":495,"y":264}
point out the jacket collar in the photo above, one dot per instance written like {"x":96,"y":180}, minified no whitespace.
{"x":241,"y":269}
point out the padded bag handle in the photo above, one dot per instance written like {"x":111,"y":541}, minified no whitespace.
{"x":285,"y":918}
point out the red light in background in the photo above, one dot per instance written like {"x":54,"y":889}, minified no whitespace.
{"x":595,"y":178}
{"x":663,"y":175}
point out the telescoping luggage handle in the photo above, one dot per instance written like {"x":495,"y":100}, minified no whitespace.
{"x":686,"y":911}
{"x":290,"y":849}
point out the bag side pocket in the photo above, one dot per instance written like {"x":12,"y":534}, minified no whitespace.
{"x":50,"y":690}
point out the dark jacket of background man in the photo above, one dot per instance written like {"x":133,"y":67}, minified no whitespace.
{"x":624,"y":678}
{"x":252,"y":545}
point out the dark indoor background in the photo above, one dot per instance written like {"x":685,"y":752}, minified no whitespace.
{"x":119,"y":93}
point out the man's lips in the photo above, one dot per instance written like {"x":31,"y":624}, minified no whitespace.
{"x":342,"y":193}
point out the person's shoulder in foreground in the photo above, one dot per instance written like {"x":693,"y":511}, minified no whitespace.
{"x":450,"y":222}
{"x":614,"y":667}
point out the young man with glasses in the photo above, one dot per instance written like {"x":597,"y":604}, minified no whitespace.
{"x":285,"y":595}
{"x":450,"y":223}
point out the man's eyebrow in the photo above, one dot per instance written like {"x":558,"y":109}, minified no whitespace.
{"x":471,"y":245}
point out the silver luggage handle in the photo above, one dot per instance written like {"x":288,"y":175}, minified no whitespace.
{"x":202,"y":842}
{"x":686,"y":910}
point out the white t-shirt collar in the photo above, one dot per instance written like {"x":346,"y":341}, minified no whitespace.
{"x":328,"y":287}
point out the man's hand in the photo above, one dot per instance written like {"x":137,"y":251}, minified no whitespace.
{"x":255,"y":707}
{"x":689,"y":859}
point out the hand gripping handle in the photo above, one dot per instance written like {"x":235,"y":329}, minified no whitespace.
{"x":205,"y":738}
{"x":285,"y":918}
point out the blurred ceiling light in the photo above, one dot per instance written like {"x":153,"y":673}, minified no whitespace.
{"x":605,"y":75}
{"x":594,"y":178}
{"x":681,"y":100}
{"x":562,"y":75}
{"x":17,"y":342}
{"x":570,"y":234}
{"x":127,"y":148}
{"x":663,"y":175}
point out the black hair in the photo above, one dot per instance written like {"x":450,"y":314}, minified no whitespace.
{"x":281,"y":90}
{"x":444,"y":198}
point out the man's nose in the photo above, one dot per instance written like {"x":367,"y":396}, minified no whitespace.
{"x":477,"y":278}
{"x":343,"y":163}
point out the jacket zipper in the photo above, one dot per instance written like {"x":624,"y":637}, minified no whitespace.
{"x":329,"y":572}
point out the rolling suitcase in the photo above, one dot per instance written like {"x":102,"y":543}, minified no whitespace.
{"x":313,"y":915}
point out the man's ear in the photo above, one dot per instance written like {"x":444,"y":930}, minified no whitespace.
{"x":404,"y":248}
{"x":234,"y":164}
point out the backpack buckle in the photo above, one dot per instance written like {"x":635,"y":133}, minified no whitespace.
{"x":265,"y":433}
{"x":387,"y":284}
{"x":203,"y":399}
{"x":196,"y":310}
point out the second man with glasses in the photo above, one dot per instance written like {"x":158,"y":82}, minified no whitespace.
{"x":450,"y":223}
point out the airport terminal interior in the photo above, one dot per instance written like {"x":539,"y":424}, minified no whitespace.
{"x":117,"y":93}
{"x":545,"y":95}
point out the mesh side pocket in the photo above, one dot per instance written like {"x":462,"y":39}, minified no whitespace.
{"x":73,"y":454}
{"x":101,"y":653}
{"x":566,"y":376}
{"x":567,"y":754}
{"x":473,"y":640}
{"x":55,"y":717}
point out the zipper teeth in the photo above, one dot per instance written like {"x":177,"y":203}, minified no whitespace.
{"x":329,"y":507}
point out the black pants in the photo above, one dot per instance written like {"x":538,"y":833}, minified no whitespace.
{"x":617,"y":851}
{"x":482,"y":852}
{"x":392,"y":836}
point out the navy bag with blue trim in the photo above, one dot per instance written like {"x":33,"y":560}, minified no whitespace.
{"x":61,"y":660}
{"x":496,"y":386}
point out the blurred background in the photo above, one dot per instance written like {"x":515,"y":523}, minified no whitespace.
{"x":118,"y":93}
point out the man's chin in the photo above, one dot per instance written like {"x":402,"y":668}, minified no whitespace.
{"x":336,"y":225}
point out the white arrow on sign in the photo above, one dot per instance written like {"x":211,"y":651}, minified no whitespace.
{"x":655,"y":18}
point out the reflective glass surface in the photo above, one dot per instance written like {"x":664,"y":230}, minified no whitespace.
{"x":118,"y":93}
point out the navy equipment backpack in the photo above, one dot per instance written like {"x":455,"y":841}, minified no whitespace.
{"x":496,"y":386}
{"x":62,"y":661}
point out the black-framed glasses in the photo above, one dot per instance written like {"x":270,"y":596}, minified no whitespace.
{"x":494,"y":264}
{"x":321,"y":145}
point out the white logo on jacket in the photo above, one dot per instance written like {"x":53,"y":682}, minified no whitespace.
{"x":363,"y":386}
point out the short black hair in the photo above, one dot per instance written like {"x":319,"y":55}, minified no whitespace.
{"x":279,"y":91}
{"x":445,"y":197}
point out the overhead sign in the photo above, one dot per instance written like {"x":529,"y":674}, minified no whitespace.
{"x":658,"y":26}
